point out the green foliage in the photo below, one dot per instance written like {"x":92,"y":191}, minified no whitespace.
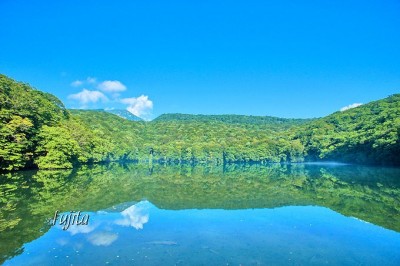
{"x":368,"y":134}
{"x":257,"y":122}
{"x":56,"y":148}
{"x":37,"y":131}
{"x":112,"y":137}
{"x":14,"y":151}
{"x":23,"y":111}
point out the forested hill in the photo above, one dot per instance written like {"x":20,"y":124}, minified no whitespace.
{"x":368,"y":134}
{"x":36,"y":131}
{"x":270,"y":121}
{"x":23,"y":113}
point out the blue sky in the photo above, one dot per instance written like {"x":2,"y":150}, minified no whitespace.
{"x":281,"y":58}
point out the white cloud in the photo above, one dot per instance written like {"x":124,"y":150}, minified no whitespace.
{"x":111,"y":86}
{"x":140,"y":106}
{"x":91,"y":80}
{"x":87,"y":96}
{"x":354,"y":105}
{"x":76,"y":83}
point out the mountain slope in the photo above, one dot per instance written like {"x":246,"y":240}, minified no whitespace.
{"x":124,"y":114}
{"x":368,"y":134}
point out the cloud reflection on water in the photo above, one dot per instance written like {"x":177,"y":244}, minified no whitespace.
{"x":102,"y":238}
{"x":136,"y":215}
{"x":103,"y":224}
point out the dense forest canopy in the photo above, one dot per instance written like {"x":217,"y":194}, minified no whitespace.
{"x":270,"y":122}
{"x":368,"y":134}
{"x":36,"y":131}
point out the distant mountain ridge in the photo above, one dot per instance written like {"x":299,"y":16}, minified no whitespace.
{"x":124,"y":114}
{"x":230,"y":118}
{"x":273,"y":122}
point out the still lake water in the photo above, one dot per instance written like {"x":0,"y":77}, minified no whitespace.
{"x":300,"y":214}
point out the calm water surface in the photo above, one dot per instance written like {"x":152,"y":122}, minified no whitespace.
{"x":222,"y":215}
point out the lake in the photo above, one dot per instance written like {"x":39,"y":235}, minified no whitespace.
{"x":299,"y":214}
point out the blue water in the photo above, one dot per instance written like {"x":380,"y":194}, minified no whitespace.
{"x":250,"y":216}
{"x":142,"y":234}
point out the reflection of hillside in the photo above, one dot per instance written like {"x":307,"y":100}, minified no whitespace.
{"x":28,"y":199}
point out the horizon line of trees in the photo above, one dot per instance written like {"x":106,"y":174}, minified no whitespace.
{"x":37,"y":131}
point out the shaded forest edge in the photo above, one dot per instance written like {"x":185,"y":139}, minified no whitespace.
{"x":37,"y":131}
